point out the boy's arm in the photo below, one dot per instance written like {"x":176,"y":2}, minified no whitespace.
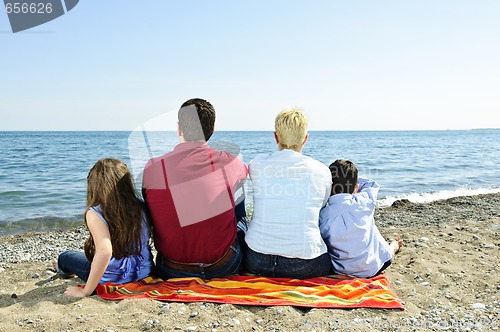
{"x":370,"y":187}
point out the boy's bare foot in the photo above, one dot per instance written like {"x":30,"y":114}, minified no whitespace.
{"x":396,"y":244}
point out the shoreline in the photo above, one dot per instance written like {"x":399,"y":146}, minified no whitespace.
{"x":447,"y":275}
{"x":56,"y":224}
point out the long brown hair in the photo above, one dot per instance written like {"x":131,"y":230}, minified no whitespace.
{"x":110,"y":185}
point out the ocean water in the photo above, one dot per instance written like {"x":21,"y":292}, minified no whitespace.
{"x":43,"y":174}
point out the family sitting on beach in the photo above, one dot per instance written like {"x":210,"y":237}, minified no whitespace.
{"x":308,"y":220}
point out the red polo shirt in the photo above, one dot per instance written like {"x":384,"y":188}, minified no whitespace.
{"x":190,"y":195}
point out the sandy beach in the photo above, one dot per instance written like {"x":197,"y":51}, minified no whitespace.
{"x":447,"y":276}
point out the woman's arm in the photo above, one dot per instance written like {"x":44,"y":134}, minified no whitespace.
{"x":103,"y":253}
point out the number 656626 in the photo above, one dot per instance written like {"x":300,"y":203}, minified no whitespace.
{"x":28,"y":8}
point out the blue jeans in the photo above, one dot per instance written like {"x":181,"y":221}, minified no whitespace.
{"x":275,"y":266}
{"x":233,"y":266}
{"x":73,"y":262}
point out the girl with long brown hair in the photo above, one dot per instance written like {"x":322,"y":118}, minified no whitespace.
{"x":117,"y":249}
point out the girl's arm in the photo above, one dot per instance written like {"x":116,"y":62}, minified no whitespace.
{"x":103,"y":253}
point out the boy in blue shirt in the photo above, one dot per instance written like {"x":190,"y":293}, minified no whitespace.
{"x":348,"y":228}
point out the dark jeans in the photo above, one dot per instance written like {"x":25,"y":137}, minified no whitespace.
{"x":233,"y":266}
{"x":73,"y":262}
{"x":275,"y":266}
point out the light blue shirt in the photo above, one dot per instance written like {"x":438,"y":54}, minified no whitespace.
{"x":354,"y":242}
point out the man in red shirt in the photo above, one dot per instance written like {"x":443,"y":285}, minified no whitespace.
{"x":190,"y":195}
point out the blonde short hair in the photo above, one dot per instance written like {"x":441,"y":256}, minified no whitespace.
{"x":291,"y":128}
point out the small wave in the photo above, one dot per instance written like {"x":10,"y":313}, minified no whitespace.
{"x":42,"y":224}
{"x":14,"y":193}
{"x":436,"y":196}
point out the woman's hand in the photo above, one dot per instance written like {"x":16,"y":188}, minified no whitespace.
{"x":75,"y":291}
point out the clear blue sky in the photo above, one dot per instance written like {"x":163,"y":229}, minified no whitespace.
{"x":351,"y":65}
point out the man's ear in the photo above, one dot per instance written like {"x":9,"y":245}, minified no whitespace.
{"x":276,"y":138}
{"x":179,"y":132}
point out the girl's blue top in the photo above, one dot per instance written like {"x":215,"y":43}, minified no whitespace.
{"x":131,"y":268}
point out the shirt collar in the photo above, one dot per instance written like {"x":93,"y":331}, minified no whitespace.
{"x":339,"y":198}
{"x":289,"y":152}
{"x":190,"y":145}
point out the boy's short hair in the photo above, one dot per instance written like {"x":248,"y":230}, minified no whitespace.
{"x":196,"y":120}
{"x":344,"y":176}
{"x":291,"y":128}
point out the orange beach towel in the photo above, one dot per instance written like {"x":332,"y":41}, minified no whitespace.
{"x":326,"y":292}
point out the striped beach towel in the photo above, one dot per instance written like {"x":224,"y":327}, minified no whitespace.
{"x":326,"y":292}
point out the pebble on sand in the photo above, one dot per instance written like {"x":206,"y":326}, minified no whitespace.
{"x":479,"y":306}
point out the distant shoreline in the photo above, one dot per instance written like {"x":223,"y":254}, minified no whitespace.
{"x":256,"y":130}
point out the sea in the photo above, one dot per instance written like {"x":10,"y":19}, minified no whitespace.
{"x":43,"y":174}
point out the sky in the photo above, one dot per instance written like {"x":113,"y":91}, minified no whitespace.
{"x":350,"y":65}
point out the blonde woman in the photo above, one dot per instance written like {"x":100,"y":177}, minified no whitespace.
{"x":289,"y":190}
{"x":118,"y":248}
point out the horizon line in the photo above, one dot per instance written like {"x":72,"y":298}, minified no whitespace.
{"x":244,"y":130}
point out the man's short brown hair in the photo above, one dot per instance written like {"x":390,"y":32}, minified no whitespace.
{"x":196,"y":120}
